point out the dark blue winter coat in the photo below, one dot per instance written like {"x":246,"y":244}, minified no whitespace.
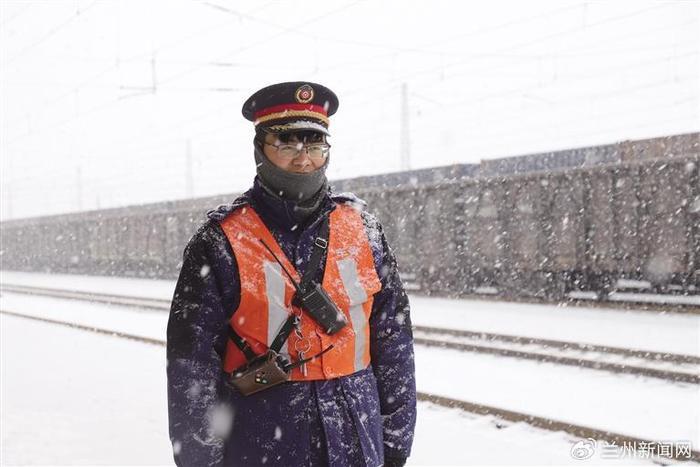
{"x":355,"y":420}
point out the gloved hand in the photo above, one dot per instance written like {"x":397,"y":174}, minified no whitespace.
{"x":394,"y":461}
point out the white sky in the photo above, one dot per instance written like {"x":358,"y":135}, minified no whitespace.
{"x":100,"y":100}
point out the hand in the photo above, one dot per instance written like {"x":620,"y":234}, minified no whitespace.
{"x":394,"y":461}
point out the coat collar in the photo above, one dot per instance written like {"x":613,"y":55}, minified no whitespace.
{"x":287,"y":215}
{"x":278,"y":210}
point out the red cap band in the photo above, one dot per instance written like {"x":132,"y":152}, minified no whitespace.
{"x":283,"y":107}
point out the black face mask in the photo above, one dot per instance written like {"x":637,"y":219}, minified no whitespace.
{"x":289,"y":186}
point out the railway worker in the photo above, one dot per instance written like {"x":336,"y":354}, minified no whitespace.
{"x":265,"y":372}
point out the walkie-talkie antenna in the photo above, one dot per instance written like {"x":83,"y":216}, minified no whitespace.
{"x":296,"y":286}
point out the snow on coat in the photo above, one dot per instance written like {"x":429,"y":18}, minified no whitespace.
{"x":355,"y":420}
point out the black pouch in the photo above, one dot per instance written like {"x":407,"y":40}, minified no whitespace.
{"x":319,"y":305}
{"x":309,"y":294}
{"x":264,"y":372}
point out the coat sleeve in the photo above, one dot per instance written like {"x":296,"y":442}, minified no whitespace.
{"x":196,"y":338}
{"x":392,"y":349}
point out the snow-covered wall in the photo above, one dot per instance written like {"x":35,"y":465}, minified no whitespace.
{"x":543,"y":233}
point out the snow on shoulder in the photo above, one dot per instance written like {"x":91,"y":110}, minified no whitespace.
{"x":221,"y":211}
{"x":350,"y":199}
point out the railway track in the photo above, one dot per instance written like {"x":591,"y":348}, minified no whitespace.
{"x":112,"y":299}
{"x":665,"y":366}
{"x":571,"y":301}
{"x":506,"y":416}
{"x":616,"y":301}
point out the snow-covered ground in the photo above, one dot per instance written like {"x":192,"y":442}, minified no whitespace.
{"x":109,"y":285}
{"x":638,"y":406}
{"x":72,"y":397}
{"x":75,"y":397}
{"x":655,"y":331}
{"x":633,"y":405}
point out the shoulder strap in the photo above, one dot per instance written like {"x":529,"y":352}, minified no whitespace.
{"x":241,"y":344}
{"x":282,"y":336}
{"x":320,"y":244}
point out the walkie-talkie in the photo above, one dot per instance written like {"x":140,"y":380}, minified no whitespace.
{"x":315,"y":301}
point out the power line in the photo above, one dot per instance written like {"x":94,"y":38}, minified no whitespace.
{"x":471,"y":57}
{"x":374,"y":45}
{"x":102,"y":106}
{"x":267,"y":39}
{"x":548,"y":37}
{"x":514,"y":91}
{"x":676,"y":103}
{"x":167,"y":191}
{"x":613,"y":129}
{"x":90,"y":111}
{"x":576,"y":78}
{"x":16,"y":15}
{"x":464,"y":123}
{"x":178,"y":75}
{"x":350,"y":92}
{"x":82,"y":85}
{"x":299,"y":31}
{"x":559,"y":81}
{"x":53,"y":31}
{"x":116,"y":63}
{"x":600,"y":117}
{"x":506,"y":24}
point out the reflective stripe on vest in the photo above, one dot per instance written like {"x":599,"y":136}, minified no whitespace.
{"x":350,"y":279}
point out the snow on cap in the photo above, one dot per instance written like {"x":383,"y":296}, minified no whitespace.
{"x":291,"y":106}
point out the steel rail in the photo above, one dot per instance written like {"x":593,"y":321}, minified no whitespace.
{"x":676,"y":376}
{"x":578,"y":431}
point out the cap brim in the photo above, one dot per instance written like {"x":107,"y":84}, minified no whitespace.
{"x":299,"y":125}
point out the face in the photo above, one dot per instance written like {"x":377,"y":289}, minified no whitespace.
{"x":300,"y":164}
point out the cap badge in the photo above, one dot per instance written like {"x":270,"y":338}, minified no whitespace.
{"x":304,"y":94}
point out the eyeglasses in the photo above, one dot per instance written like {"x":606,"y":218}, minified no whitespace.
{"x":316,"y":151}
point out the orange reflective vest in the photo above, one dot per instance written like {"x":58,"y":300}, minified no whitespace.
{"x":350,"y":279}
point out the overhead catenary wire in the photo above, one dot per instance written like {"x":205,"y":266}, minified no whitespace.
{"x":83,"y":84}
{"x":19,"y":13}
{"x":171,"y":184}
{"x":519,"y":90}
{"x":52,"y":32}
{"x":490,"y":144}
{"x":527,"y":134}
{"x":160,"y":83}
{"x":473,"y":58}
{"x":263,"y":41}
{"x":614,"y":92}
{"x":405,"y":77}
{"x":146,"y":138}
{"x":393,"y":80}
{"x":512,"y":91}
{"x":329,"y":38}
{"x":560,"y":80}
{"x":116,"y":63}
{"x":164,"y":81}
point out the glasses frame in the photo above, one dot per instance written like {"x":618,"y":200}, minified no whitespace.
{"x":304,"y":147}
